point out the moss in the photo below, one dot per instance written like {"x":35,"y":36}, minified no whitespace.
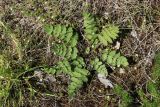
{"x":156,"y":66}
{"x":152,"y":87}
{"x":126,"y":99}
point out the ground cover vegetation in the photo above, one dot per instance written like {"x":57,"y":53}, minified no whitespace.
{"x":79,"y":53}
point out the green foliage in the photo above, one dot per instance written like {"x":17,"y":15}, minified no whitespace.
{"x":64,"y":33}
{"x":14,"y":40}
{"x":48,"y":29}
{"x":156,"y":67}
{"x":64,"y":51}
{"x":6,"y":81}
{"x":108,"y":57}
{"x":152,"y":97}
{"x":145,"y":102}
{"x":124,"y":96}
{"x":90,"y":28}
{"x":79,"y":62}
{"x":78,"y":77}
{"x":9,"y":73}
{"x":61,"y":67}
{"x":4,"y":75}
{"x":152,"y":88}
{"x":113,"y":58}
{"x":108,"y":34}
{"x":74,"y":65}
{"x":4,"y":88}
{"x":99,"y":66}
{"x":76,"y":70}
{"x":69,"y":52}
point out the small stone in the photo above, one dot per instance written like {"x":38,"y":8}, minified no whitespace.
{"x":121,"y":71}
{"x":100,"y":91}
{"x":117,"y":45}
